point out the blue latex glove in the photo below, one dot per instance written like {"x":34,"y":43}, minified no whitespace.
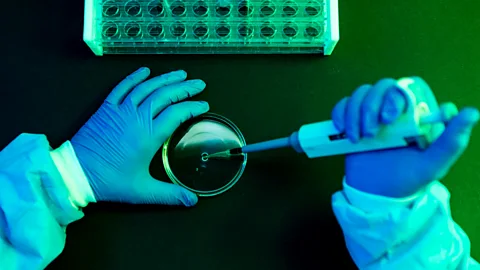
{"x":398,"y":172}
{"x":116,"y":146}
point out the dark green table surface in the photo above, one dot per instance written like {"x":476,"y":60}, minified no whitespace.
{"x":278,"y":216}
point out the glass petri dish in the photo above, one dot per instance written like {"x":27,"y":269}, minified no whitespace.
{"x":185,"y":155}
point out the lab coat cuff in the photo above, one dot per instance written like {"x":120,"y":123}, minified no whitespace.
{"x":65,"y":159}
{"x":371,"y":202}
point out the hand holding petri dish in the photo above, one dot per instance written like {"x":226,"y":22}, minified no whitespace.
{"x":185,"y":155}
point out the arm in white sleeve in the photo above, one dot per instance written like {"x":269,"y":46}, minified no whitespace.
{"x":41,"y":192}
{"x":417,"y":232}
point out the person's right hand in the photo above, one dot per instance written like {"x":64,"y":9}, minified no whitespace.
{"x":404,"y":171}
{"x":115,"y":147}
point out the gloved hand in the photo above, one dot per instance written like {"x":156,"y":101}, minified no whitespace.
{"x":115,"y":147}
{"x":398,"y":172}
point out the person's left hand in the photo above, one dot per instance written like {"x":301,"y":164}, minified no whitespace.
{"x":116,"y":146}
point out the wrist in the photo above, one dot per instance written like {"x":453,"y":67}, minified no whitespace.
{"x":65,"y":159}
{"x":377,"y":185}
{"x":370,"y":202}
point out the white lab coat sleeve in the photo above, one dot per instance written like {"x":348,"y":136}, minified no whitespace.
{"x":41,"y":192}
{"x":75,"y":180}
{"x":416,"y":232}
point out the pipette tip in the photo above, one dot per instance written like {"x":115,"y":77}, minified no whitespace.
{"x":226,"y":154}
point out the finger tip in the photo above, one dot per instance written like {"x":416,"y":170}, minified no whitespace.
{"x":144,"y":71}
{"x":415,"y":77}
{"x":449,"y":110}
{"x":340,"y":128}
{"x":469,"y":114}
{"x":198,"y":84}
{"x":181,"y":73}
{"x":204,"y":105}
{"x":369,"y":133}
{"x":473,"y":111}
{"x":386,"y":121}
{"x":419,"y":80}
{"x":337,"y":123}
{"x":193,"y":200}
{"x":190,"y":199}
{"x":474,"y":115}
{"x":464,"y":122}
{"x":178,"y":75}
{"x":388,"y":116}
{"x":386,"y":82}
{"x":185,"y":197}
{"x":353,"y":138}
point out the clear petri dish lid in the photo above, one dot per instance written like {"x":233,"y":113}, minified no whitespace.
{"x":185,"y":155}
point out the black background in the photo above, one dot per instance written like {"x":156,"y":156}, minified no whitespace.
{"x":278,"y":216}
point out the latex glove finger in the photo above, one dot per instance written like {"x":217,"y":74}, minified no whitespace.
{"x":338,"y":114}
{"x":372,"y":105}
{"x":446,"y":150}
{"x":352,"y":113}
{"x":119,"y":93}
{"x":170,"y":94}
{"x":394,"y":105}
{"x":142,"y":91}
{"x":173,"y":116}
{"x":156,"y":192}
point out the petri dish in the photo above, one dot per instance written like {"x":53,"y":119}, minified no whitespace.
{"x":185,"y":155}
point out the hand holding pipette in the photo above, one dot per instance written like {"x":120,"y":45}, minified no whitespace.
{"x":409,"y":126}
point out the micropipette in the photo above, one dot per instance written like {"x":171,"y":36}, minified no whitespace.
{"x":323,"y":139}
